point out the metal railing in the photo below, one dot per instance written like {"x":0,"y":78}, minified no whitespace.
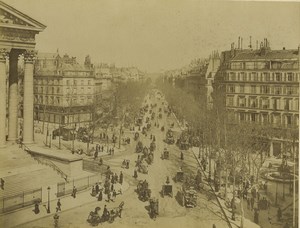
{"x":20,"y":200}
{"x":45,"y":162}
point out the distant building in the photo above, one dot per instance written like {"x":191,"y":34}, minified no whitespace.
{"x":262,"y":87}
{"x":63,"y":90}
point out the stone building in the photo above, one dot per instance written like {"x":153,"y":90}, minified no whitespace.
{"x":63,"y":90}
{"x":262,"y":87}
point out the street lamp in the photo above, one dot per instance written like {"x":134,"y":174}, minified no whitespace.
{"x":48,"y":209}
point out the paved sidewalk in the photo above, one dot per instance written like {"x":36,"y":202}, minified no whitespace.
{"x":24,"y":215}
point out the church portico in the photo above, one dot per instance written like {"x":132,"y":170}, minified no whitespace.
{"x":17,"y":38}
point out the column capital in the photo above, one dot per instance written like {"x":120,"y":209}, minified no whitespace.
{"x":29,"y":56}
{"x":3,"y":54}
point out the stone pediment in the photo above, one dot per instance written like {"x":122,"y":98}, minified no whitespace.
{"x":12,"y":18}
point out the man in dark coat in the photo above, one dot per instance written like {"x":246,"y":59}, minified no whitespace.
{"x":74,"y":192}
{"x":181,"y":155}
{"x":100,"y":196}
{"x":121,"y":178}
{"x":97,"y":188}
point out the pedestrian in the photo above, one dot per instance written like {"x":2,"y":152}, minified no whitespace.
{"x":256,"y":216}
{"x":102,"y":148}
{"x":95,"y":155}
{"x":121,"y":178}
{"x":2,"y":183}
{"x":74,"y":191}
{"x":101,"y":161}
{"x":258,"y":195}
{"x":100,"y":196}
{"x":105,"y":212}
{"x":135,"y":175}
{"x":116,"y":177}
{"x":58,"y":205}
{"x":181,"y":155}
{"x":97,"y":188}
{"x":112,"y":187}
{"x":279,"y":214}
{"x":113,"y":151}
{"x":214,"y":226}
{"x":36,"y":208}
{"x":114,"y":195}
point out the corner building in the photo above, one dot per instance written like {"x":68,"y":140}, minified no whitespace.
{"x":262,"y":87}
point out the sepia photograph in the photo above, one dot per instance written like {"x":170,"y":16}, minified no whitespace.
{"x":149,"y":113}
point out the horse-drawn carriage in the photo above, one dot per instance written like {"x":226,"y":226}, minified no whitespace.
{"x":136,"y":136}
{"x":165,"y":154}
{"x":153,"y":208}
{"x":152,"y":146}
{"x":169,"y":137}
{"x":144,"y":130}
{"x":179,"y":176}
{"x":139,"y":147}
{"x":189,"y":196}
{"x":143,"y":168}
{"x":125,"y":164}
{"x":94,"y":218}
{"x":143,"y":190}
{"x":167,"y":189}
{"x":148,"y":126}
{"x":150,"y":158}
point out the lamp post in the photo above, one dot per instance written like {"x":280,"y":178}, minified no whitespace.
{"x":48,"y":208}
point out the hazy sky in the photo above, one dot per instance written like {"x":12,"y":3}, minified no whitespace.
{"x":158,"y":34}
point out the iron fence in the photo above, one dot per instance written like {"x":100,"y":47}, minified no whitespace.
{"x":20,"y":200}
{"x":66,"y":188}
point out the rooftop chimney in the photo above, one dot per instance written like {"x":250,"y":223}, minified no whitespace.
{"x":232,"y":50}
{"x":256,"y":44}
{"x":241,"y":43}
{"x":250,"y":45}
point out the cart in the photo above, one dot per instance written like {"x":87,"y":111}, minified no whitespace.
{"x":167,"y":189}
{"x":189,"y":197}
{"x":153,"y":208}
{"x":165,"y":154}
{"x":179,"y":176}
{"x":143,"y":168}
{"x":125,"y":164}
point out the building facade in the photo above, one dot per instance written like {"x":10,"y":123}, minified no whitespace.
{"x":262,"y":87}
{"x":63,"y":90}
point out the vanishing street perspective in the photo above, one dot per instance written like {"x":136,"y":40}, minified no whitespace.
{"x":135,"y":113}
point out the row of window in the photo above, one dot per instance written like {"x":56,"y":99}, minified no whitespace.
{"x":262,"y":76}
{"x":59,"y":82}
{"x":53,"y":100}
{"x":76,"y":82}
{"x":263,"y":103}
{"x":275,"y":119}
{"x":57,"y":90}
{"x":263,"y":89}
{"x":263,"y":65}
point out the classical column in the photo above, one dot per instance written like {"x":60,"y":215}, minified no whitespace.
{"x":3,"y":55}
{"x":28,"y":97}
{"x":13,"y":98}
